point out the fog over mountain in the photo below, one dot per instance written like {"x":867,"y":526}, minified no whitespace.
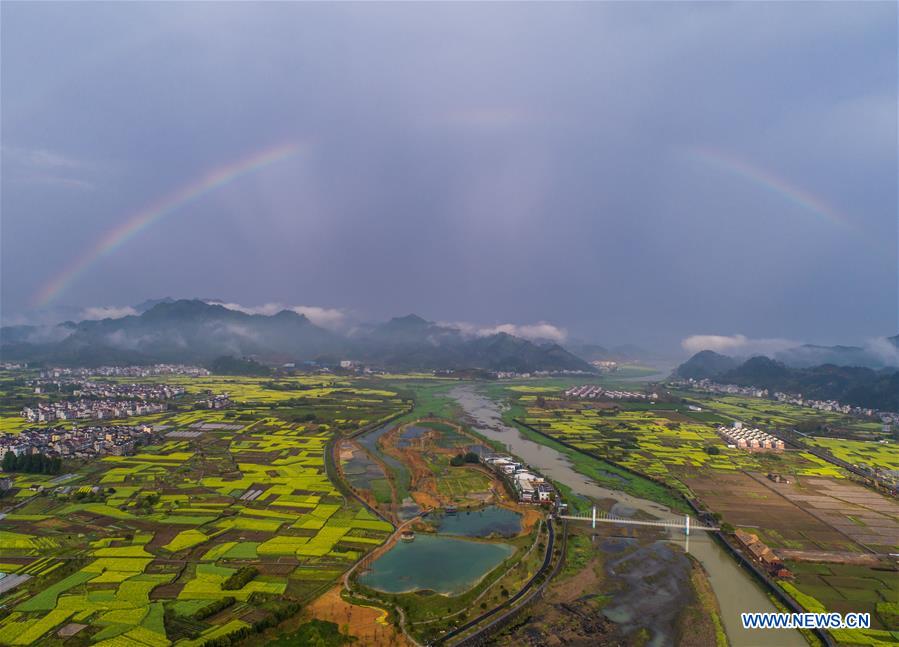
{"x":201,"y":331}
{"x":881,"y":352}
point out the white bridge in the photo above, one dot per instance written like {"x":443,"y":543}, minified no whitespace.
{"x":605,"y":517}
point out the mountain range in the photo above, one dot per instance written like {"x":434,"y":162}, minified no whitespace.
{"x":880,"y":353}
{"x":877,"y":354}
{"x":195,"y":331}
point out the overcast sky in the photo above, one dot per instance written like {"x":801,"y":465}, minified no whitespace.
{"x":629,"y":172}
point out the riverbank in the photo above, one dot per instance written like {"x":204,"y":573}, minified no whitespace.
{"x":734,"y":588}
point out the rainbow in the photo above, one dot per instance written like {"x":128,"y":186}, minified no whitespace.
{"x":191,"y":192}
{"x":772,"y":183}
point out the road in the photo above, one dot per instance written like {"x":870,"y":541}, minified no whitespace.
{"x":510,"y":603}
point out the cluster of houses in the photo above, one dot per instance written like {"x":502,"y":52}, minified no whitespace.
{"x":584,"y":392}
{"x":821,"y":405}
{"x":87,"y":388}
{"x":605,"y":366}
{"x":593,"y":392}
{"x":529,"y":486}
{"x":515,"y":375}
{"x":789,"y":398}
{"x":761,"y":553}
{"x":126,"y":371}
{"x":834,"y":406}
{"x":750,"y":439}
{"x":90,"y":410}
{"x":218,"y":401}
{"x":84,"y":442}
{"x":709,"y":386}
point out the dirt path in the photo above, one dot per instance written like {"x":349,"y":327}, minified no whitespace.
{"x":372,"y":556}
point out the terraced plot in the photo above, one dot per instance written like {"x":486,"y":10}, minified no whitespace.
{"x":156,"y":535}
{"x":872,"y":454}
{"x":847,"y":588}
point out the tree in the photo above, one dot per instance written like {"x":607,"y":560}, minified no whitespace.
{"x":712,"y":450}
{"x":31,"y":463}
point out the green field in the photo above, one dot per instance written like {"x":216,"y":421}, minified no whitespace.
{"x":846,"y":588}
{"x":660,"y":443}
{"x":769,"y":413}
{"x":881,"y":455}
{"x":140,"y":545}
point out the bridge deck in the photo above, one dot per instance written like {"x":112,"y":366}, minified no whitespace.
{"x":607,"y":518}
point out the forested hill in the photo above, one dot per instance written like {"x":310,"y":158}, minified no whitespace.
{"x":853,"y":385}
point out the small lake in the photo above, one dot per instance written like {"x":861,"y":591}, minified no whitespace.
{"x":481,"y":523}
{"x":442,"y":564}
{"x":409,"y":434}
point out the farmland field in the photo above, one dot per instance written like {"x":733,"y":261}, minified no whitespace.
{"x":818,"y":510}
{"x":663,"y":444}
{"x":764,"y":412}
{"x":143,"y":549}
{"x":884,"y":456}
{"x":849,"y":588}
{"x":229,"y":522}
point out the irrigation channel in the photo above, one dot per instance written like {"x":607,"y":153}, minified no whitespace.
{"x":654,"y":608}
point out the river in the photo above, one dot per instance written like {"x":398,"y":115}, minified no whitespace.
{"x":735,"y":589}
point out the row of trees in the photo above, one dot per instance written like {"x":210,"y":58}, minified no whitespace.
{"x":275,"y":617}
{"x":31,"y":463}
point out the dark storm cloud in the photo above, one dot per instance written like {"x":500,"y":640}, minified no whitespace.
{"x":487,"y":163}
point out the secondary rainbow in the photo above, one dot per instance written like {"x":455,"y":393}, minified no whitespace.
{"x":772,"y":183}
{"x":115,"y":238}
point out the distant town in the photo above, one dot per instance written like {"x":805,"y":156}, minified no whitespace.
{"x":127,"y":371}
{"x":90,"y":389}
{"x":107,"y":401}
{"x":709,"y":386}
{"x":90,"y":410}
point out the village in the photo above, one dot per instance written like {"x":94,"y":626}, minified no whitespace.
{"x":88,"y":388}
{"x":593,"y":392}
{"x":127,"y":371}
{"x":832,"y":406}
{"x":83,"y":409}
{"x":83,"y":442}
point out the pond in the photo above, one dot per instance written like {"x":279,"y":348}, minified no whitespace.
{"x":409,"y":434}
{"x":361,"y":470}
{"x":407,"y":507}
{"x":481,"y":523}
{"x":441,"y":564}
